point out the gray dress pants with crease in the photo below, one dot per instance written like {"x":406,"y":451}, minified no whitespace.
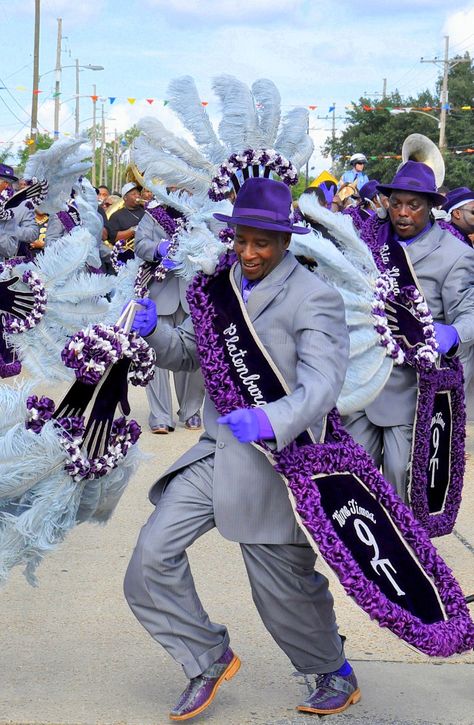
{"x":292,"y":599}
{"x":390,"y":447}
{"x":189,"y":387}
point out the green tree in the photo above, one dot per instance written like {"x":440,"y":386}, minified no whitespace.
{"x":43,"y":141}
{"x":381,"y":132}
{"x":5,"y":154}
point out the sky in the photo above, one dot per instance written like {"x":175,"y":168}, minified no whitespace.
{"x":317,"y":53}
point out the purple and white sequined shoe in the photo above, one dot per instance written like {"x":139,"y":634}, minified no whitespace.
{"x":202,"y":689}
{"x":333,"y":693}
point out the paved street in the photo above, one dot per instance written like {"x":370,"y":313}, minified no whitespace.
{"x":72,"y":653}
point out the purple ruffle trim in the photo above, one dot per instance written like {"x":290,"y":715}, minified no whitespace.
{"x":162,"y":217}
{"x":429,"y":384}
{"x":356,"y":215}
{"x":448,"y":227}
{"x":66,"y":220}
{"x":299,"y":464}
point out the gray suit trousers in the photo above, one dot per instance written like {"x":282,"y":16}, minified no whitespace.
{"x":292,"y":599}
{"x":390,"y":447}
{"x":189,"y":387}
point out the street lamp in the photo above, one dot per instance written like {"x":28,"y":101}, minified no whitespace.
{"x":394,"y":111}
{"x":57,"y":86}
{"x":87,"y":67}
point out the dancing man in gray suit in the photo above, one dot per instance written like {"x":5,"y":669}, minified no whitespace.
{"x":225,"y":481}
{"x":444,"y":268}
{"x":170,"y":298}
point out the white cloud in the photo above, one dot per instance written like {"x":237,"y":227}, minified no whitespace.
{"x":460,"y":28}
{"x":218,"y":12}
{"x":72,"y":14}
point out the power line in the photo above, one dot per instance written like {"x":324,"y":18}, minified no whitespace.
{"x":447,"y":64}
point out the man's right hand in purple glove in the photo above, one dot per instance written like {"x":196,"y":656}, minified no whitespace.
{"x":145,"y":319}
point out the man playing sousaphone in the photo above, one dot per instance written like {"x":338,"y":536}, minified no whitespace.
{"x":436,"y":268}
{"x":122,"y":223}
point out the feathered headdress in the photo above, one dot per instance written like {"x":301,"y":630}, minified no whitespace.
{"x":346,"y":263}
{"x":250,"y":140}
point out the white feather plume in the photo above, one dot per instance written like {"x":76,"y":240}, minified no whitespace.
{"x":61,"y":164}
{"x":174,"y":171}
{"x":239,"y":127}
{"x":13,"y":396}
{"x":294,"y":129}
{"x":185,"y":102}
{"x":86,"y":203}
{"x":40,"y":503}
{"x":75,"y":298}
{"x":348,"y":265}
{"x":303,"y":153}
{"x":268,"y":103}
{"x":154,"y":136}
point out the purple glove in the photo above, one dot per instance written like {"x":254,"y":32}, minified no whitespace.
{"x":248,"y":424}
{"x":161,"y":250}
{"x":446,"y":336}
{"x":145,"y":320}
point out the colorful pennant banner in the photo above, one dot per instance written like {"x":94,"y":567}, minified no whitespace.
{"x":311,"y":107}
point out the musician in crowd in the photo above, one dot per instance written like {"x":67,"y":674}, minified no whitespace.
{"x":103,"y":192}
{"x":444,"y":269}
{"x":123,"y":223}
{"x":225,"y":481}
{"x":19,"y":232}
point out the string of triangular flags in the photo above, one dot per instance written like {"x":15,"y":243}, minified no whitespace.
{"x":312,"y":107}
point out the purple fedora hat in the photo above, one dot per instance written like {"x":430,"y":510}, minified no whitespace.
{"x":414,"y":176}
{"x":457,"y":198}
{"x":7,"y":173}
{"x":263,"y":204}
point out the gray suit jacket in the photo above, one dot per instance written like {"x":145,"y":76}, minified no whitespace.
{"x":8,"y":239}
{"x":300,"y":320}
{"x":27,"y":228}
{"x":444,"y":266}
{"x":171,"y":292}
{"x":21,"y":228}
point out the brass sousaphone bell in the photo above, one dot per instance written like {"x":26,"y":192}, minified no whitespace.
{"x":417,"y":147}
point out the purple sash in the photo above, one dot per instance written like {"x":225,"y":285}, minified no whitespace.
{"x":437,"y":461}
{"x":382,"y":556}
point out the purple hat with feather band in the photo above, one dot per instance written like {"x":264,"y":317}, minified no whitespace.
{"x":263,"y":204}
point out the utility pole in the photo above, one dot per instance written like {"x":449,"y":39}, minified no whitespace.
{"x":115,"y":163}
{"x":57,"y":84}
{"x":307,"y":163}
{"x":94,"y":134}
{"x":384,"y":89}
{"x":34,"y":99}
{"x":333,"y":132}
{"x":447,"y":65}
{"x":76,"y":115}
{"x":102,"y":177}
